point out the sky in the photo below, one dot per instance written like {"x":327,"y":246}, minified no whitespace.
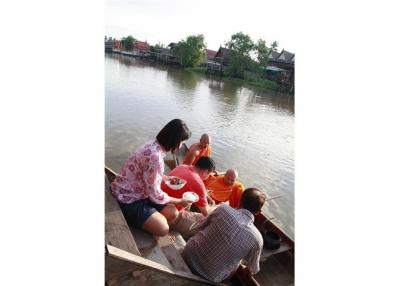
{"x":166,"y":21}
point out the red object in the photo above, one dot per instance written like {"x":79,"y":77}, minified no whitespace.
{"x":141,"y":46}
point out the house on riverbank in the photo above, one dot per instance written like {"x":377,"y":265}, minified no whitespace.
{"x":280,"y":67}
{"x":166,"y":55}
{"x":141,"y":48}
{"x":220,"y":61}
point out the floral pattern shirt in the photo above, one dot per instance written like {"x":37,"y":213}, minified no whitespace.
{"x":141,"y":176}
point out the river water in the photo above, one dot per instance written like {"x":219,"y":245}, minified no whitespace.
{"x":251,"y":130}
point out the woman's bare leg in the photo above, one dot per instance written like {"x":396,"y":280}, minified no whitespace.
{"x":170,"y":212}
{"x":156,"y":224}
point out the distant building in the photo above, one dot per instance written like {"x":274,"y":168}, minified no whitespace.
{"x":117,"y":44}
{"x":284,"y":59}
{"x":141,"y":47}
{"x":166,"y":54}
{"x":222,"y":56}
{"x":172,"y":45}
{"x":280,"y":67}
{"x":209,"y":58}
{"x":210,"y":54}
{"x":109,"y":44}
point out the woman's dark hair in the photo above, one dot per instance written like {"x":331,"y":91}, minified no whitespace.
{"x":252,"y":200}
{"x":205,"y":163}
{"x":171,"y":136}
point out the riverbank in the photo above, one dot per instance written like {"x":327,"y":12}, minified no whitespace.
{"x":249,"y":80}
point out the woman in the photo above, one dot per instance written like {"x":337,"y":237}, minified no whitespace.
{"x":137,"y":186}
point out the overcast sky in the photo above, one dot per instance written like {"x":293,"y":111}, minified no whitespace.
{"x":170,"y":21}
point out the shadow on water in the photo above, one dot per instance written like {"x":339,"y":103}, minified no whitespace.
{"x":228,"y":92}
{"x":185,"y":80}
{"x":276,"y":99}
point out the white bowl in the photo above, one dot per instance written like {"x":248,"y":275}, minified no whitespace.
{"x":191,"y":196}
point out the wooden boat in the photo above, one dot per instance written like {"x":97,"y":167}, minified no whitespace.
{"x":134,"y":257}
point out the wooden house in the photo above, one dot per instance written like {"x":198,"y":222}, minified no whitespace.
{"x":117,"y":45}
{"x":284,"y":59}
{"x":222,"y":56}
{"x":108,"y":45}
{"x":141,"y":47}
{"x":210,"y":54}
{"x":281,"y":67}
{"x":209,"y":58}
{"x":166,"y":54}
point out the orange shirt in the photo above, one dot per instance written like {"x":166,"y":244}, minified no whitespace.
{"x":221,"y":192}
{"x":203,"y":152}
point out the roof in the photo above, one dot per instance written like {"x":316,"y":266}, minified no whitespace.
{"x":273,"y":55}
{"x":141,"y":45}
{"x":222,"y":52}
{"x":210,"y":54}
{"x":285,"y":56}
{"x":172,"y":45}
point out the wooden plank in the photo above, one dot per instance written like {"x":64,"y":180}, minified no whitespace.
{"x":110,"y":174}
{"x":117,"y":231}
{"x":277,"y":271}
{"x":266,"y":253}
{"x":131,"y":258}
{"x":172,"y":254}
{"x":115,"y":268}
{"x":161,"y":249}
{"x":175,"y":258}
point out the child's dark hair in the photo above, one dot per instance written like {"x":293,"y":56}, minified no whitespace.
{"x":205,"y":163}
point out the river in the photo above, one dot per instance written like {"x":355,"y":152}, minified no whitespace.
{"x":251,"y":130}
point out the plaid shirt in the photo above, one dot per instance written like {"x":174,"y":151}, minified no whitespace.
{"x":228,"y":235}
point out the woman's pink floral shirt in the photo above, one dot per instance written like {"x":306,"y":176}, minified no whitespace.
{"x":141,"y":176}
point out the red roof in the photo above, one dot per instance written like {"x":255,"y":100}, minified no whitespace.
{"x":210,"y":54}
{"x":141,"y":46}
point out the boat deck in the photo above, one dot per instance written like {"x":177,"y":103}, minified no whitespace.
{"x":278,"y":270}
{"x":134,"y":257}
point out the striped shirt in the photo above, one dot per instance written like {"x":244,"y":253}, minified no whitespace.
{"x":228,"y":235}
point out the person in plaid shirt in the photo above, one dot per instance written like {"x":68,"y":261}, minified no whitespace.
{"x":225,"y":238}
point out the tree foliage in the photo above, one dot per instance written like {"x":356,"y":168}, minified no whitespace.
{"x":274,"y":46}
{"x":157,"y":47}
{"x":240,"y":47}
{"x":246,"y":55}
{"x":262,"y":52}
{"x":190,"y":52}
{"x":127,"y":43}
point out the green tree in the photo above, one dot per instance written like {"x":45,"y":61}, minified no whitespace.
{"x":262,"y":52}
{"x":191,"y":52}
{"x":128,"y":42}
{"x":274,"y":46}
{"x":240,"y":47}
{"x":157,"y":47}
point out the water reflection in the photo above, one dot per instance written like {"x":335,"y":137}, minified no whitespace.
{"x":185,"y":80}
{"x":251,"y":129}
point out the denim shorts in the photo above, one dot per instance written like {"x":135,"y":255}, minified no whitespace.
{"x":138,"y":212}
